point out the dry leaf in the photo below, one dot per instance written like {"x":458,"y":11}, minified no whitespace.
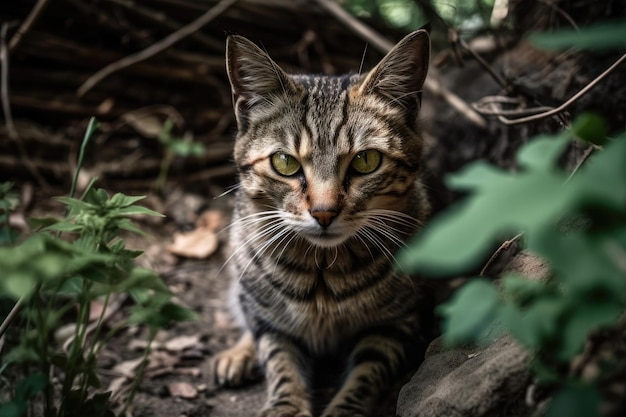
{"x":212,"y":220}
{"x":181,"y":343}
{"x":117,"y":384}
{"x":182,"y":390}
{"x":128,"y":368}
{"x":199,"y":243}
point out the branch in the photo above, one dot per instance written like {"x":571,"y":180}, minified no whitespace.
{"x":156,"y":48}
{"x":30,"y":20}
{"x":562,"y":107}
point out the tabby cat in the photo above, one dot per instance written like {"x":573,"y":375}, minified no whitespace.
{"x":329,"y":190}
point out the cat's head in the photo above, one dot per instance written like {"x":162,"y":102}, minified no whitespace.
{"x":330,"y":155}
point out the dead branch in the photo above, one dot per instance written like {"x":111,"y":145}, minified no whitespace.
{"x":561,"y":108}
{"x":156,"y":48}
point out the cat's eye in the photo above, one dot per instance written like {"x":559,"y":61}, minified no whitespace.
{"x":366,"y":161}
{"x":285,"y":164}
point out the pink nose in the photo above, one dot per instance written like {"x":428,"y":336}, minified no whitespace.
{"x":324,"y":217}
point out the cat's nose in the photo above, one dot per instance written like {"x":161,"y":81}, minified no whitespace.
{"x":324,"y":217}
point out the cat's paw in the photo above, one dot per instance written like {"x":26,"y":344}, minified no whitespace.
{"x":285,"y":411}
{"x":234,"y":366}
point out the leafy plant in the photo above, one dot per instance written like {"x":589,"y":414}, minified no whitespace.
{"x":576,"y":223}
{"x":174,"y":146}
{"x":51,"y":277}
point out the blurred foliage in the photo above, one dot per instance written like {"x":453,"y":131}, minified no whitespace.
{"x":412,"y":14}
{"x":576,"y":222}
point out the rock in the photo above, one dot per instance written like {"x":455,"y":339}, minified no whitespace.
{"x":468,"y":382}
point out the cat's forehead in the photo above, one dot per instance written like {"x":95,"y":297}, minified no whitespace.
{"x":326,"y":85}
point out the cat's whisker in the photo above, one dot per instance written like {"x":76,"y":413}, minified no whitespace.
{"x":377,"y":242}
{"x":251,"y":219}
{"x":263,"y":248}
{"x":280,"y":255}
{"x":335,"y":258}
{"x":273,"y":225}
{"x":317,"y":264}
{"x":228,"y":191}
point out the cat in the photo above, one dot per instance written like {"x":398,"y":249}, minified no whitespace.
{"x":330,"y":188}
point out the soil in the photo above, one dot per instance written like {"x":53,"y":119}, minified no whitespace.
{"x":202,"y":286}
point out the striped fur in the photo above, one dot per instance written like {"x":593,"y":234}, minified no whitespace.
{"x":313,"y":253}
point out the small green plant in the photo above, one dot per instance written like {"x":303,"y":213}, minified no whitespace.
{"x":174,"y":147}
{"x":50,"y":278}
{"x":8,"y":202}
{"x":576,"y":223}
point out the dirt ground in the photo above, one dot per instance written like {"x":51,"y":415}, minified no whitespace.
{"x":178,"y":380}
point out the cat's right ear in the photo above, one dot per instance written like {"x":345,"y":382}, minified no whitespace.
{"x":254,"y":77}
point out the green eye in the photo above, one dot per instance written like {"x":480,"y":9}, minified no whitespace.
{"x":366,"y":161}
{"x":285,"y":164}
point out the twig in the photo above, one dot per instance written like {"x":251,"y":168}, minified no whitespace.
{"x":384,"y":45}
{"x":501,"y":81}
{"x":582,"y":160}
{"x":504,"y":246}
{"x":156,"y":48}
{"x":164,"y":20}
{"x":28,"y":22}
{"x":4,"y":93}
{"x":491,"y":106}
{"x":556,"y":8}
{"x":569,"y":102}
{"x":357,"y":26}
{"x":4,"y":82}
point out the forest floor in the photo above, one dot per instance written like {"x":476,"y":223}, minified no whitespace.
{"x":178,"y":380}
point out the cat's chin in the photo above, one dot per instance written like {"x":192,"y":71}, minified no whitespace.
{"x":326,"y":240}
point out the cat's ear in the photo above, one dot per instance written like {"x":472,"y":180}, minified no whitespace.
{"x":400,"y":75}
{"x":254,"y":76}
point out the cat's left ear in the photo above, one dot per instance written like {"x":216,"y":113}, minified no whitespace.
{"x":254,"y":77}
{"x":400,"y":75}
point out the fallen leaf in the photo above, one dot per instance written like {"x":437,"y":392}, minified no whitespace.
{"x":199,"y":243}
{"x":182,"y":390}
{"x":181,"y":343}
{"x":117,"y":384}
{"x":128,"y":368}
{"x":212,"y":220}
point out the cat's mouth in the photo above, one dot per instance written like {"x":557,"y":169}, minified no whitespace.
{"x":325,"y":238}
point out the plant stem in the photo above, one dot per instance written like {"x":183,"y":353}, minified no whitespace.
{"x":141,"y":370}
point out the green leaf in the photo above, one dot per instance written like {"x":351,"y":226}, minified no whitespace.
{"x":13,"y":409}
{"x":186,"y":148}
{"x":599,"y":37}
{"x":31,"y":386}
{"x":521,"y":290}
{"x":542,"y":153}
{"x":504,"y":204}
{"x":470,"y":312}
{"x":37,"y":223}
{"x":128,"y":225}
{"x":575,"y":401}
{"x":122,"y":200}
{"x":590,"y":127}
{"x":582,"y":320}
{"x":134,"y":210}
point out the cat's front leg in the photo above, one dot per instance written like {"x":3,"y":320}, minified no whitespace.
{"x":232,"y":367}
{"x":285,"y":369}
{"x":374,"y":365}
